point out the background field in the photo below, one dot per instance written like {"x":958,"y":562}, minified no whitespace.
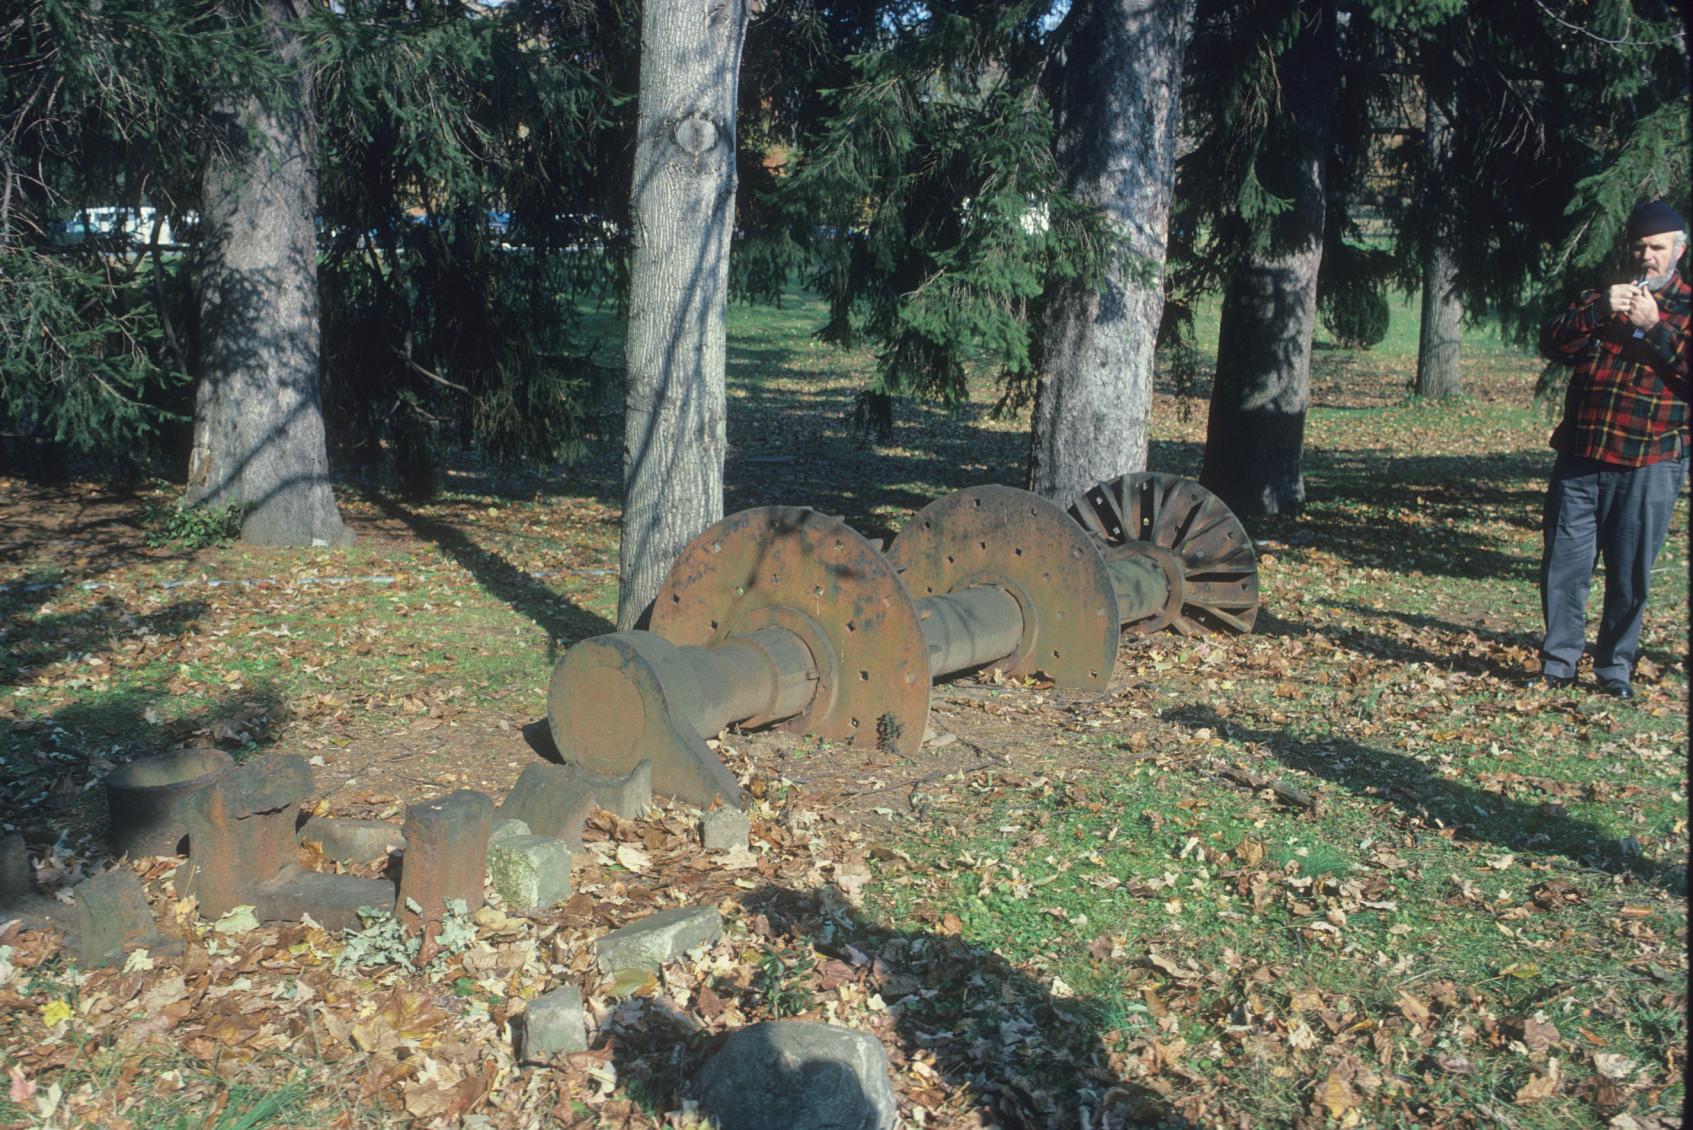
{"x":1061,"y":912}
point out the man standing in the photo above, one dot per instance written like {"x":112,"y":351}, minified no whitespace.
{"x":1622,"y":450}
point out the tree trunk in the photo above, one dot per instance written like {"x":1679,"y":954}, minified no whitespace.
{"x":1256,"y":432}
{"x":683,"y":209}
{"x":258,"y":419}
{"x":1116,"y":143}
{"x":1442,"y":327}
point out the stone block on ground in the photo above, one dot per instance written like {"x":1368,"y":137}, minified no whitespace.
{"x":504,"y":828}
{"x":529,"y":872}
{"x":628,"y":796}
{"x":552,"y":800}
{"x":352,"y":841}
{"x":113,"y":918}
{"x":787,"y":1073}
{"x":446,"y":857}
{"x":551,"y":1024}
{"x":651,"y":941}
{"x":724,"y":829}
{"x":333,"y":901}
{"x":241,"y":831}
{"x":17,"y":877}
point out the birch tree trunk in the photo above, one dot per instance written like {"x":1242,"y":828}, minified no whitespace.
{"x":1256,"y":432}
{"x":683,"y":211}
{"x":1441,"y":330}
{"x":1119,"y":110}
{"x":258,"y":418}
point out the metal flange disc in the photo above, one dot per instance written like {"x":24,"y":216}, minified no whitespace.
{"x":997,"y":535}
{"x":1177,"y":521}
{"x":794,"y":568}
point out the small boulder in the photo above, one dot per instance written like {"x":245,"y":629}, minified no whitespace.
{"x":551,"y":1024}
{"x":725,"y":829}
{"x":529,"y":872}
{"x":788,"y":1073}
{"x":649,"y":942}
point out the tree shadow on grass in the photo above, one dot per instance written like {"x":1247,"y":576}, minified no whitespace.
{"x":1019,"y":1057}
{"x":1420,"y":793}
{"x":52,"y":766}
{"x":563,"y":621}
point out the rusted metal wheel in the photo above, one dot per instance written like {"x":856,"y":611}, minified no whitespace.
{"x":796,"y":569}
{"x":1193,"y":537}
{"x":1020,"y":542}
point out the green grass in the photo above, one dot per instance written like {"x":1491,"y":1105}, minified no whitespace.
{"x":1482,"y":856}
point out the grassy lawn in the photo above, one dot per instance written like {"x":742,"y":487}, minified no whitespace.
{"x":1344,"y":871}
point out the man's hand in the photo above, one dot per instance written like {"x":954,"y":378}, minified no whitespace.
{"x":1642,"y":309}
{"x":1617,"y":299}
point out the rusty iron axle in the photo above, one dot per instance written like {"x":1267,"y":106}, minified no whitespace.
{"x":785,"y":616}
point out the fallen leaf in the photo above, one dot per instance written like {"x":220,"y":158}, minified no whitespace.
{"x":1613,"y":1066}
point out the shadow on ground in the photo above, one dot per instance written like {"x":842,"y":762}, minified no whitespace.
{"x":1005,"y":1047}
{"x":1420,"y":793}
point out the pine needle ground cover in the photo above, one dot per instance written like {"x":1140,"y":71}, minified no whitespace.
{"x":1344,"y":871}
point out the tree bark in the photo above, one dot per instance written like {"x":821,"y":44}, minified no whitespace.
{"x":1116,"y":143}
{"x":1256,"y":432}
{"x":258,"y":419}
{"x":1441,"y":330}
{"x":683,"y":209}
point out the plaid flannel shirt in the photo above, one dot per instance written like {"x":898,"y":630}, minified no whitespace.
{"x":1627,"y":400}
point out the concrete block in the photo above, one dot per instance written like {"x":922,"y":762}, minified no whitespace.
{"x":113,"y":918}
{"x":505,"y":828}
{"x":241,"y":831}
{"x":550,"y":1025}
{"x":552,"y":800}
{"x":352,"y":841}
{"x":333,"y":901}
{"x":651,"y":941}
{"x":529,"y":872}
{"x":628,"y":796}
{"x":723,"y":829}
{"x":446,"y":857}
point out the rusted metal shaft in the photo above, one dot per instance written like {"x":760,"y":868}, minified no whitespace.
{"x":764,"y":674}
{"x":1142,"y":586}
{"x":969,"y":628}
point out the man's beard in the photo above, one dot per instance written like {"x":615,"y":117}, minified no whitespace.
{"x":1658,"y":282}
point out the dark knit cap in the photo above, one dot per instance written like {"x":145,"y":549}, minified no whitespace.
{"x":1654,"y":218}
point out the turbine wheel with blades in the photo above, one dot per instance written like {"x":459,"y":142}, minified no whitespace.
{"x":1189,"y":531}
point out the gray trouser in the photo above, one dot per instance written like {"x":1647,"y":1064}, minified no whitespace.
{"x":1599,"y":510}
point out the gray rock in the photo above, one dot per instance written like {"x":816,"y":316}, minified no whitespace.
{"x":651,"y":941}
{"x":550,"y":1025}
{"x":505,"y":828}
{"x":333,"y":901}
{"x":790,"y":1073}
{"x":352,"y":841}
{"x":552,"y":800}
{"x":113,"y":918}
{"x":17,"y":877}
{"x":723,"y":829}
{"x":529,"y":872}
{"x":628,"y":796}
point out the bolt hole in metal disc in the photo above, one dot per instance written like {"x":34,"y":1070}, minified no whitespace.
{"x":1181,"y":518}
{"x":794,"y":568}
{"x":986,"y":533}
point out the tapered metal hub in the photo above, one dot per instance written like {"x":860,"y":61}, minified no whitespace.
{"x":1191,"y":535}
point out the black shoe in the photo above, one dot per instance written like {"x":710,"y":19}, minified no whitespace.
{"x":1550,"y":682}
{"x":1616,"y":688}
